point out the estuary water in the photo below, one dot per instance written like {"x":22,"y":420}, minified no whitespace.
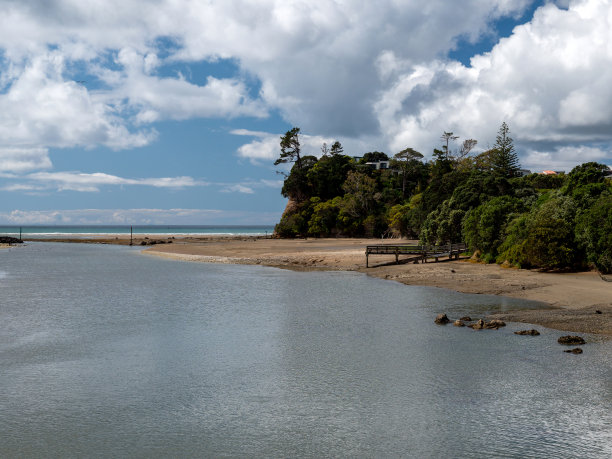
{"x":106,"y":352}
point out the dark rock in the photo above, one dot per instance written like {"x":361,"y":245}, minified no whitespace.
{"x":531,"y":332}
{"x":452,"y":270}
{"x":571,"y":339}
{"x":143,"y":242}
{"x":458,"y":323}
{"x":466,"y":318}
{"x":576,"y":350}
{"x":495,"y":324}
{"x":441,"y":319}
{"x":597,"y":311}
{"x":478,"y":325}
{"x":10,"y":240}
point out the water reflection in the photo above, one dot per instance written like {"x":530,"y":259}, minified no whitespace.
{"x":105,"y":352}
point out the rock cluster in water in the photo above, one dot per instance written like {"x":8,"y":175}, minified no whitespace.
{"x":532,"y":332}
{"x":571,"y":340}
{"x":442,"y":319}
{"x":494,"y":324}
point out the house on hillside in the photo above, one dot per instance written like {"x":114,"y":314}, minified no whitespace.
{"x":378,"y":165}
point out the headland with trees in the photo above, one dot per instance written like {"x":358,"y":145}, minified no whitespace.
{"x":553,"y":222}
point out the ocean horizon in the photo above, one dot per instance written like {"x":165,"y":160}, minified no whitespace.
{"x":42,"y":231}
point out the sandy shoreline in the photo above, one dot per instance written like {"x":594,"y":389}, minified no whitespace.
{"x":572,"y":299}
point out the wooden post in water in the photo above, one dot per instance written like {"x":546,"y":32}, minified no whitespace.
{"x":131,"y":236}
{"x":20,"y":228}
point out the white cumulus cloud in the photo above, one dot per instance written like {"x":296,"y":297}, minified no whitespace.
{"x":550,"y":81}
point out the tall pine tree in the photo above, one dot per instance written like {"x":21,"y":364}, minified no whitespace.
{"x":505,"y":160}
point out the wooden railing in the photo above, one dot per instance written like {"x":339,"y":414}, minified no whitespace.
{"x":419,"y":252}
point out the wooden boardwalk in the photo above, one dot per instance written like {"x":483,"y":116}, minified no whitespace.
{"x":418,"y":252}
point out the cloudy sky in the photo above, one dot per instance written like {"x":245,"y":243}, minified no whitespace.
{"x":170,"y":111}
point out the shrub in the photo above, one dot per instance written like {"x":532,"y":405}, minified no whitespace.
{"x":594,"y":233}
{"x":483,"y":226}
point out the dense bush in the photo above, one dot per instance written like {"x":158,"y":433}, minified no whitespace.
{"x":550,"y":240}
{"x":594,"y":233}
{"x":542,"y":221}
{"x":483,"y":226}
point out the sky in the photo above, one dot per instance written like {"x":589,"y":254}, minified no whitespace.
{"x":170,"y":111}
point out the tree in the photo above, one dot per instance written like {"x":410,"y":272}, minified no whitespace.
{"x":328,"y":174}
{"x":446,"y":138}
{"x":405,"y":161}
{"x":336,"y":149}
{"x":297,"y":186}
{"x":373,"y":157}
{"x":585,"y":174}
{"x":466,"y":147}
{"x":361,"y":190}
{"x":504,"y":158}
{"x":290,"y":148}
{"x":594,"y":233}
{"x":483,"y":226}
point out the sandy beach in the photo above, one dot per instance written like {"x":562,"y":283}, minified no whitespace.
{"x":574,"y":302}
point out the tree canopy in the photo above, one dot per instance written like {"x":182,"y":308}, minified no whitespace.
{"x":542,"y":221}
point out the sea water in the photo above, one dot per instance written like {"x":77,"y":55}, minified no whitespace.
{"x":54,"y":231}
{"x":106,"y":352}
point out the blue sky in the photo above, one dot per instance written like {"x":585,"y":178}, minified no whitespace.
{"x":170,"y":112}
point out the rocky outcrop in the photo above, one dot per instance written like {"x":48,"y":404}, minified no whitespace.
{"x":571,"y":340}
{"x":466,"y":319}
{"x":458,"y":323}
{"x":10,"y":240}
{"x":531,"y":332}
{"x":441,"y":319}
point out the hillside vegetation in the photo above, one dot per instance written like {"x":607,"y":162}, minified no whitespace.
{"x":553,"y":222}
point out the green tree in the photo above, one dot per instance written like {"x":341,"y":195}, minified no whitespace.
{"x":336,"y":149}
{"x":373,"y":157}
{"x":297,"y":186}
{"x":324,"y":218}
{"x":290,"y":148}
{"x":594,"y":233}
{"x":585,"y":174}
{"x":328,"y":174}
{"x":504,"y":158}
{"x":483,"y":226}
{"x":407,"y":161}
{"x":550,"y":243}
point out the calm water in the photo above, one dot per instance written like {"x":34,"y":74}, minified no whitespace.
{"x":106,"y":352}
{"x":92,"y":230}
